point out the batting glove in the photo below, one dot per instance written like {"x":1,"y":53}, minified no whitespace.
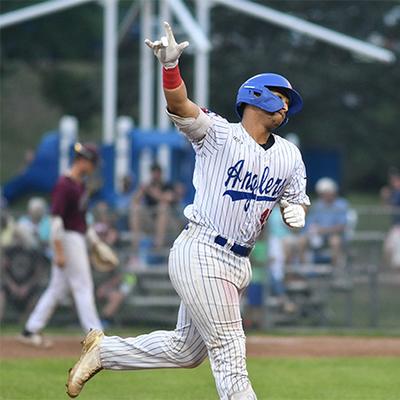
{"x":293,"y":214}
{"x":166,"y":49}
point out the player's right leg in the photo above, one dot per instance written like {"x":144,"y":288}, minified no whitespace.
{"x":55,"y":292}
{"x":180,"y":348}
{"x":88,"y":364}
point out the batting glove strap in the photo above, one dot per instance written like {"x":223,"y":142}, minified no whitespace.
{"x":293,"y":214}
{"x":166,"y":49}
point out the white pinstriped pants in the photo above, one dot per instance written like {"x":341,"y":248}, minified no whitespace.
{"x":209,"y":280}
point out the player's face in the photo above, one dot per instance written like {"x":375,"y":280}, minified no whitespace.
{"x":281,"y":114}
{"x":283,"y":97}
{"x":86,"y":167}
{"x":328,"y":197}
{"x":271,"y":120}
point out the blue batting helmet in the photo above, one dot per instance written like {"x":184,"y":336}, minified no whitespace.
{"x":255,"y":91}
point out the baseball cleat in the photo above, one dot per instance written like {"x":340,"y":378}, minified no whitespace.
{"x":88,"y":364}
{"x":35,"y":340}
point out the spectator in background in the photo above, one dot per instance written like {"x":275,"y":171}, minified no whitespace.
{"x":113,"y":286}
{"x":26,"y":254}
{"x":33,"y":229}
{"x":112,"y":292}
{"x":390,"y":196}
{"x":326,"y":222}
{"x":154,"y":202}
{"x":122,"y":203}
{"x":7,"y":235}
{"x":104,"y":223}
{"x":255,"y":291}
{"x":280,"y":244}
{"x":274,"y":250}
{"x":7,"y":232}
{"x":21,"y":272}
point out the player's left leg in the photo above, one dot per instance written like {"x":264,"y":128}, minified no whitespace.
{"x":219,"y":322}
{"x":209,"y":279}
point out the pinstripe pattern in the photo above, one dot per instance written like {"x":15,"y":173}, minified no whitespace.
{"x":209,"y":279}
{"x":237,"y":183}
{"x":181,"y":348}
{"x":268,"y":175}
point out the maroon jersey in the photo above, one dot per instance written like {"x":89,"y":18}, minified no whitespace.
{"x":69,"y":201}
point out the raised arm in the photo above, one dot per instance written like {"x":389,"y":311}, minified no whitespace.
{"x":168,"y":52}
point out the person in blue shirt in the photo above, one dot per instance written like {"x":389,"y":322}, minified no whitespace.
{"x":326,"y":223}
{"x":281,"y":246}
{"x":390,"y":195}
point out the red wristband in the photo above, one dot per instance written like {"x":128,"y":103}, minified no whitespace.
{"x":171,"y":77}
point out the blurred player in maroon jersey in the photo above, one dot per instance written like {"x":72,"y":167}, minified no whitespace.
{"x":71,"y":268}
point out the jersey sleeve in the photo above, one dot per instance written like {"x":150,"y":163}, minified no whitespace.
{"x":207,"y":132}
{"x":295,"y":192}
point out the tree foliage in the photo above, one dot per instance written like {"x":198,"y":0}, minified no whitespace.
{"x":351,"y":104}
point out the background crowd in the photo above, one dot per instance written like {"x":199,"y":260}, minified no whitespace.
{"x":142,"y":225}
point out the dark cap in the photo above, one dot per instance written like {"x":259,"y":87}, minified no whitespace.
{"x":88,"y":151}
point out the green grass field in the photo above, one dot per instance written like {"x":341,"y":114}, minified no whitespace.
{"x":273,"y":379}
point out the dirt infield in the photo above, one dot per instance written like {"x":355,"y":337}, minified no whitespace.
{"x":257,"y":346}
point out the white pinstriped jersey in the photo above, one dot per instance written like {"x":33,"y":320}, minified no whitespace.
{"x":238,"y":182}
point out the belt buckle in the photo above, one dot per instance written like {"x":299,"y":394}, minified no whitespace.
{"x":229,"y":244}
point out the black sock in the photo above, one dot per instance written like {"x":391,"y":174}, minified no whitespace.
{"x":27,"y":333}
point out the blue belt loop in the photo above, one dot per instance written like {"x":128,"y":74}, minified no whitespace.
{"x":236,"y":248}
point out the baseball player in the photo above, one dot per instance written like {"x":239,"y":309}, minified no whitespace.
{"x":242,"y":170}
{"x":71,"y":269}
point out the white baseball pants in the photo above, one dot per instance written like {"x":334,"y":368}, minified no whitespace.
{"x":75,"y":276}
{"x":209,"y":279}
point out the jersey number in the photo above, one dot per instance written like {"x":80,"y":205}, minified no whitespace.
{"x":264,"y":216}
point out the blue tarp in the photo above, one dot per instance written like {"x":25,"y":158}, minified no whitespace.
{"x":42,"y":173}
